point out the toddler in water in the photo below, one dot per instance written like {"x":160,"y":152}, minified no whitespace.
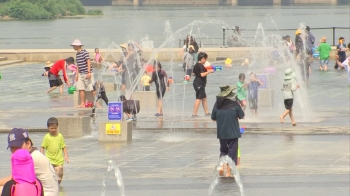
{"x":97,"y":57}
{"x":324,"y":50}
{"x":253,"y":87}
{"x":242,"y":91}
{"x":145,"y":81}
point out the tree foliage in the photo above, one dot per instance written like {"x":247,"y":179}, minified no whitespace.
{"x":41,"y":9}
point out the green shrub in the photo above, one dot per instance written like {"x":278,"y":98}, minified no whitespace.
{"x":43,"y":9}
{"x":94,"y":12}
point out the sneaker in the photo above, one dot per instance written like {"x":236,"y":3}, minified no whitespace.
{"x":158,"y":114}
{"x":208,"y":114}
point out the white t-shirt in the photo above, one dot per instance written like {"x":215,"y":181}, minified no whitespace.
{"x":45,"y":173}
{"x":346,"y":67}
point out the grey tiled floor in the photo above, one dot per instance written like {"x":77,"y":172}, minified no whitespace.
{"x":180,"y":163}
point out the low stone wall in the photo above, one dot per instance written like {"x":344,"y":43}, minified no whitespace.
{"x":164,"y":54}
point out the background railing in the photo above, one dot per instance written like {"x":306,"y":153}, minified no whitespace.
{"x":250,"y":37}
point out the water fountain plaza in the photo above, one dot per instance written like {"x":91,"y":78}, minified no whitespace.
{"x":170,"y":155}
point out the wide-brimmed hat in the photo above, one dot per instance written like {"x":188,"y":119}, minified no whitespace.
{"x":289,"y":74}
{"x":228,"y":61}
{"x":48,"y":64}
{"x":76,"y":42}
{"x":123,"y":45}
{"x":191,"y":46}
{"x":298,"y":31}
{"x":226,"y":91}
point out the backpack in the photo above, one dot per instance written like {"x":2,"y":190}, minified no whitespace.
{"x":27,"y":189}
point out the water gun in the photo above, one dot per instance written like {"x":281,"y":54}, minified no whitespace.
{"x":214,"y":67}
{"x":171,"y":80}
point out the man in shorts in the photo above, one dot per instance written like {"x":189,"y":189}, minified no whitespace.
{"x":85,"y":77}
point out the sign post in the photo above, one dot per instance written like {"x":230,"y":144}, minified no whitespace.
{"x":115,"y":113}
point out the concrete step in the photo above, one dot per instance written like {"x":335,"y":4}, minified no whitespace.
{"x":3,"y":63}
{"x":3,"y":58}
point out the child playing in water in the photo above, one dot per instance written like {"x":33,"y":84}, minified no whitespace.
{"x":100,"y":88}
{"x":242,"y":91}
{"x":97,"y":57}
{"x":324,"y":50}
{"x":288,"y":88}
{"x":145,"y":81}
{"x":253,"y":87}
{"x":54,"y":145}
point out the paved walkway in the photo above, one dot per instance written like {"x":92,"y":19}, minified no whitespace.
{"x":180,"y":163}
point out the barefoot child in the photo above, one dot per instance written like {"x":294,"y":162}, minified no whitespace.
{"x":54,"y":78}
{"x":325,"y":51}
{"x":253,"y":87}
{"x":54,"y":145}
{"x":289,"y":86}
{"x":242,"y":91}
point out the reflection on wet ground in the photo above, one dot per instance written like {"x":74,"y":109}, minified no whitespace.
{"x":182,"y":163}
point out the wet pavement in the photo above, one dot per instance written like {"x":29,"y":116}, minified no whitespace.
{"x":182,"y":163}
{"x":24,"y":103}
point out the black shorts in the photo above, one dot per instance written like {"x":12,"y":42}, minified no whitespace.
{"x":253,"y":103}
{"x":288,"y":103}
{"x":160,"y":93}
{"x":54,"y":80}
{"x":146,"y":88}
{"x":200,"y":91}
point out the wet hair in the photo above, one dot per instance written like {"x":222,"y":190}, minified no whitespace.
{"x":157,"y":64}
{"x":349,"y":45}
{"x":307,"y":28}
{"x":26,"y":140}
{"x":96,"y":49}
{"x":52,"y":121}
{"x":70,"y":60}
{"x":145,"y":72}
{"x":202,"y":55}
{"x":122,"y":98}
{"x":241,"y":76}
{"x":287,"y":36}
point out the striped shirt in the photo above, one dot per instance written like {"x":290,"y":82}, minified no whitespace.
{"x":82,"y":58}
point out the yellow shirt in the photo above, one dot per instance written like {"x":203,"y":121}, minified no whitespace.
{"x":145,"y":80}
{"x":54,"y":146}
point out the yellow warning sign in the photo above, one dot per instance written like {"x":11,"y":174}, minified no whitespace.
{"x":112,"y":129}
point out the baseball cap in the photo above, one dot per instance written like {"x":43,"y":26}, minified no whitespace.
{"x":17,"y":137}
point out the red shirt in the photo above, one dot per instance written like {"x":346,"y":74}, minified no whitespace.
{"x":57,"y":67}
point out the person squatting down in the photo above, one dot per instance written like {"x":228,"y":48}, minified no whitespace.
{"x":53,"y":143}
{"x":226,"y":113}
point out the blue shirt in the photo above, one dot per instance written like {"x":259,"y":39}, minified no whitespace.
{"x":253,"y":87}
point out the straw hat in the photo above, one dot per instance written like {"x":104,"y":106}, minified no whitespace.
{"x":226,"y":91}
{"x":123,"y":45}
{"x":76,"y":42}
{"x":289,"y":74}
{"x":48,"y":64}
{"x":191,"y":46}
{"x":228,"y":61}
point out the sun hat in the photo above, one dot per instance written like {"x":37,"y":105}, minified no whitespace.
{"x":228,"y":61}
{"x":298,"y":31}
{"x":123,"y":45}
{"x":191,"y":46}
{"x":76,"y":42}
{"x":226,"y":91}
{"x":289,"y":74}
{"x":48,"y":64}
{"x":17,"y":137}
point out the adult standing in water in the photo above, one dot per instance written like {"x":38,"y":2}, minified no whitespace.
{"x":299,"y":45}
{"x":160,"y":78}
{"x":226,"y":113}
{"x":199,"y":84}
{"x":310,"y":43}
{"x":85,"y":77}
